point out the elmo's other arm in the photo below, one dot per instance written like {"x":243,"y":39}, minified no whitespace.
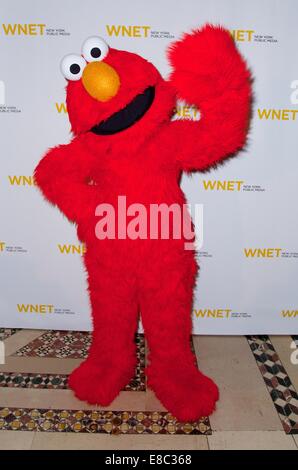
{"x":209,"y":72}
{"x":63,"y":175}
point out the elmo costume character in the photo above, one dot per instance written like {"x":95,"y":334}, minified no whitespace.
{"x":126,"y":144}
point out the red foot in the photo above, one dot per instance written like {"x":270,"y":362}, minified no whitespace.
{"x":183,"y":390}
{"x":100,"y":383}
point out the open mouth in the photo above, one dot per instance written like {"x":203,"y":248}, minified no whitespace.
{"x":127,"y":116}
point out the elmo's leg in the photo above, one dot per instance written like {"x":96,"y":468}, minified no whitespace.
{"x":111,"y":361}
{"x":166,"y":315}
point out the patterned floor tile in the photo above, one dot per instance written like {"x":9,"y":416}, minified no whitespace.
{"x":62,"y":345}
{"x":6,"y":332}
{"x":59,"y":344}
{"x":33,"y":380}
{"x":108,"y":422}
{"x":55,"y":381}
{"x":280,"y":387}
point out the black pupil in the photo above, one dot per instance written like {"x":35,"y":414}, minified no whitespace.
{"x":75,"y":69}
{"x":95,"y":52}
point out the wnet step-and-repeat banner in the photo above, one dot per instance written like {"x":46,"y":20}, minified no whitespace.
{"x":248,"y":249}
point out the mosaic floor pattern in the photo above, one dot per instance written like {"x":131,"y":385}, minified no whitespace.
{"x":57,"y":348}
{"x":66,"y":345}
{"x":59,"y":344}
{"x":27,"y":380}
{"x":109,"y":422}
{"x":280,"y":387}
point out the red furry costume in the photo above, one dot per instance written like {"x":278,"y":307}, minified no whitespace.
{"x":141,"y":153}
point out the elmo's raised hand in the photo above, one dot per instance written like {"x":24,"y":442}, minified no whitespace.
{"x":209,"y":72}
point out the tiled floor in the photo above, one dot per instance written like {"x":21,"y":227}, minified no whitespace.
{"x":258,"y":407}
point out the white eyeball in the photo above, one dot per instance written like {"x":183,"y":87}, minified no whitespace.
{"x":72,"y":66}
{"x":95,"y":48}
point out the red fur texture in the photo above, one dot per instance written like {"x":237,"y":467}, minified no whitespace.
{"x":144,"y":163}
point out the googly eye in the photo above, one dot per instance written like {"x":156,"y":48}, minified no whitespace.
{"x":95,"y":48}
{"x":72,"y":66}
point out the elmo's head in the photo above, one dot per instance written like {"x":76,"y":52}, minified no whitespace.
{"x":110,"y":91}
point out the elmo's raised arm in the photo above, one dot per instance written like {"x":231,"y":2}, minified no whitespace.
{"x":209,"y":72}
{"x":62,"y":176}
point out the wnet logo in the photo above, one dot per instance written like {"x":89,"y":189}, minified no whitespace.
{"x":68,"y":249}
{"x":61,"y":108}
{"x":185,"y":111}
{"x":21,"y":180}
{"x":277,"y":114}
{"x":27,"y":29}
{"x":289,"y":313}
{"x":132,"y":31}
{"x":35,"y":308}
{"x":212,"y":313}
{"x":242,"y":35}
{"x":272,"y":114}
{"x":262,"y":252}
{"x":217,"y":185}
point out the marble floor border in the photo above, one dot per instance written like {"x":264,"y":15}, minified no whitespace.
{"x":53,"y":408}
{"x":95,"y":421}
{"x":277,"y":380}
{"x":54,"y":381}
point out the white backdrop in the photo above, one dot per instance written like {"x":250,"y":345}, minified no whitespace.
{"x":249,"y":255}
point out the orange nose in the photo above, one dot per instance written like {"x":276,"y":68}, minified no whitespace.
{"x":100,"y":80}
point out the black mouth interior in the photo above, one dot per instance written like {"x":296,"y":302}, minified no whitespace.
{"x":127,"y":116}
